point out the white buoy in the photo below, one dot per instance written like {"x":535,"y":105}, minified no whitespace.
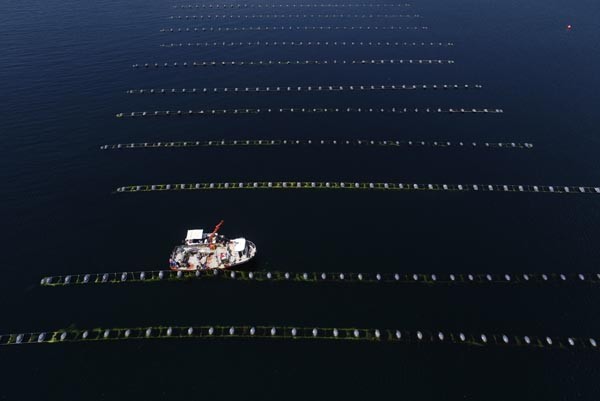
{"x":169,"y":331}
{"x":273,"y":331}
{"x":315,"y":332}
{"x":356,"y":333}
{"x":190,"y":331}
{"x":419,"y":335}
{"x":148,"y":331}
{"x":127,"y":333}
{"x":398,"y":334}
{"x":484,"y":338}
{"x":441,"y":336}
{"x":527,"y":339}
{"x":231,"y":331}
{"x":105,"y":335}
{"x":462,"y":337}
{"x":211,"y":331}
{"x":41,"y":337}
{"x":252,"y":331}
{"x":549,"y":340}
{"x":294,"y":332}
{"x":335,"y":332}
{"x":85,"y":335}
{"x":505,"y":338}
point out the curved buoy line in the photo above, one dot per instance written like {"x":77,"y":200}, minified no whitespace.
{"x":349,"y":186}
{"x":280,"y":16}
{"x":294,"y":28}
{"x":399,"y":336}
{"x":317,"y":142}
{"x":307,"y":88}
{"x":317,"y":5}
{"x":304,"y":110}
{"x":154,"y":276}
{"x":309,"y":44}
{"x":295,"y":62}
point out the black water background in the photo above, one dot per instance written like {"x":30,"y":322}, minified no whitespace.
{"x":64,"y":72}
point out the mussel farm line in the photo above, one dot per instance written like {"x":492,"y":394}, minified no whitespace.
{"x":285,"y":16}
{"x":398,"y":336}
{"x":325,"y":142}
{"x":315,"y":5}
{"x":304,"y":110}
{"x":308,"y":44}
{"x":295,"y":62}
{"x":293,"y":28}
{"x":355,"y":186}
{"x":308,"y":88}
{"x":153,"y":276}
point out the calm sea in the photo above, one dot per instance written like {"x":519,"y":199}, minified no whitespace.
{"x":64,"y":69}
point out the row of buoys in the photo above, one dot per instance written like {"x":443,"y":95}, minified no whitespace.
{"x":399,"y":336}
{"x":295,"y":62}
{"x":310,"y":43}
{"x":295,"y":28}
{"x":152,"y":276}
{"x":259,"y":16}
{"x":317,"y":142}
{"x":308,"y":88}
{"x":307,"y":110}
{"x":317,"y":5}
{"x":345,"y":185}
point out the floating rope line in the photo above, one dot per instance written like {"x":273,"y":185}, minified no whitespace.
{"x":377,"y":186}
{"x":153,"y":276}
{"x":326,"y":142}
{"x":303,"y":110}
{"x":295,"y":28}
{"x":310,"y":44}
{"x":245,"y":5}
{"x":299,"y":333}
{"x":294,"y":62}
{"x":309,"y":88}
{"x":262,"y":16}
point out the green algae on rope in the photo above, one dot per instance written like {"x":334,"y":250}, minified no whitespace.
{"x":155,"y":276}
{"x":295,"y":333}
{"x":317,"y":142}
{"x":349,"y":186}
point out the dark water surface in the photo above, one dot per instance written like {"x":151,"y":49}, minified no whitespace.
{"x":64,"y":70}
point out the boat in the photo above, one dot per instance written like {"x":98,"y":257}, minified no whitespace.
{"x":202,"y":251}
